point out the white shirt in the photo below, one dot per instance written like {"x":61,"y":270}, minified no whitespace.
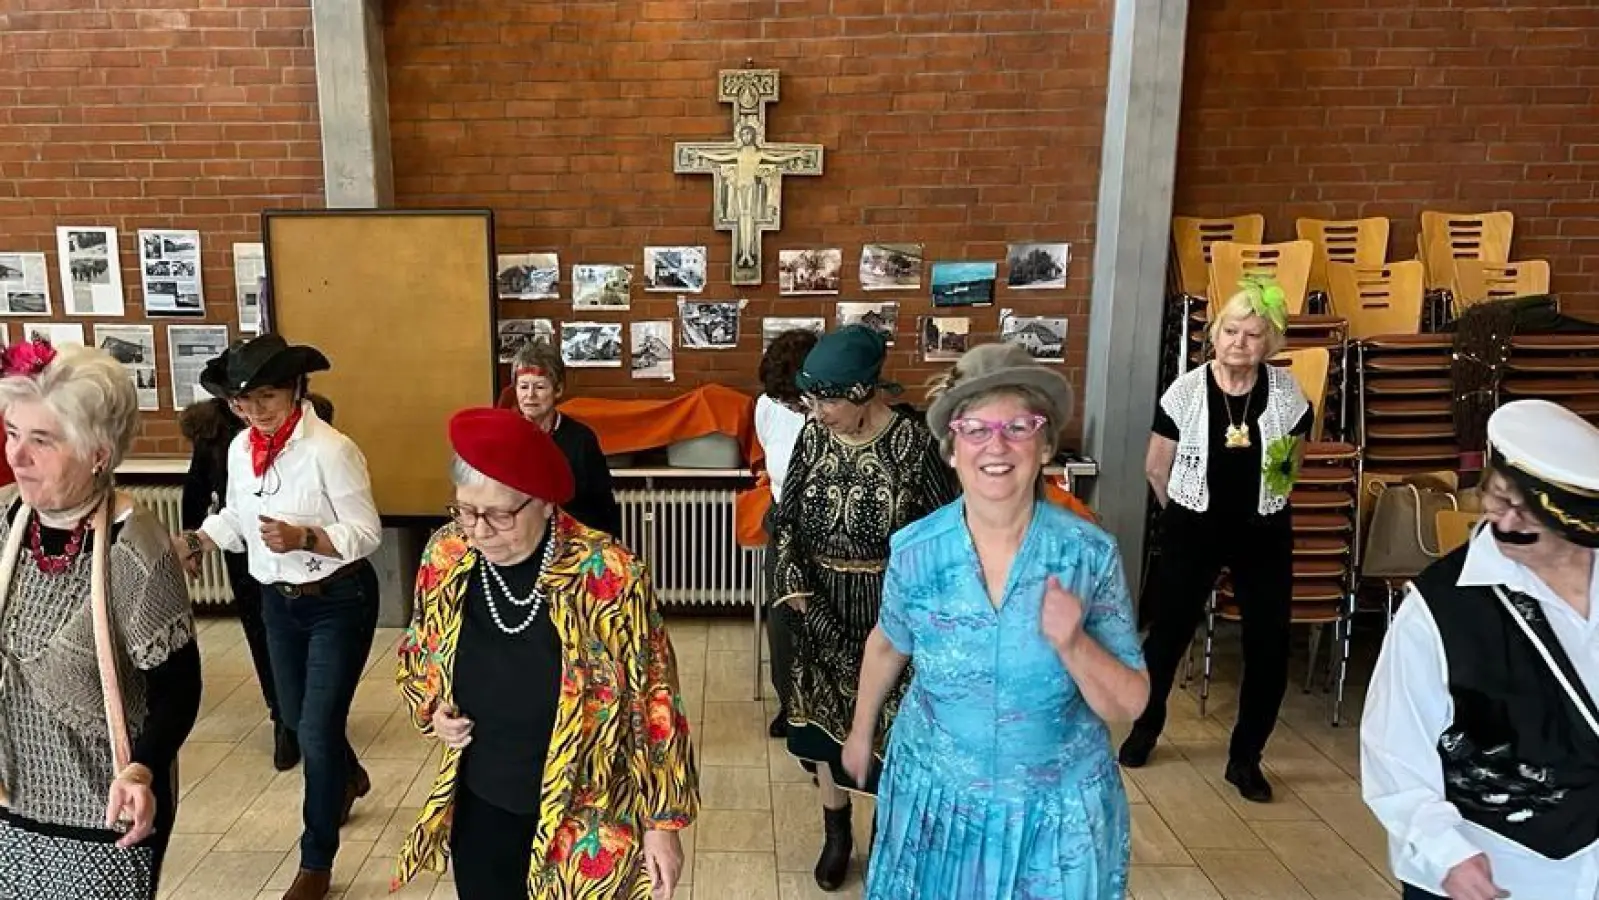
{"x":1408,"y":706}
{"x":319,"y":479}
{"x":777,"y":428}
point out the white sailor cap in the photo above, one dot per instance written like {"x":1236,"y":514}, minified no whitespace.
{"x":1552,"y":454}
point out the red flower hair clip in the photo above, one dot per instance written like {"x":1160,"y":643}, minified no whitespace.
{"x":27,"y":358}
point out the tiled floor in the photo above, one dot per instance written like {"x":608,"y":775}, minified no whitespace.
{"x":1193,"y":839}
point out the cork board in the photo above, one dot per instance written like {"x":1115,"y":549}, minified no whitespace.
{"x":402,"y":303}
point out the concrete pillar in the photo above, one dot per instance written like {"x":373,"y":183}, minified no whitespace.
{"x":1138,"y":165}
{"x":353,"y":99}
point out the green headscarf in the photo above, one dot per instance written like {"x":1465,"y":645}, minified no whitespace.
{"x":847,"y":363}
{"x":1267,"y":299}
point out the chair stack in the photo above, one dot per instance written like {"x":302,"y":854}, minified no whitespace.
{"x":1562,"y":368}
{"x":1406,"y":405}
{"x":1330,"y":333}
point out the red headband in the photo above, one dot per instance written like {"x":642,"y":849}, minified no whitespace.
{"x":536,"y":371}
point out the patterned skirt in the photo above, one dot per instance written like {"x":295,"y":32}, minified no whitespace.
{"x":44,"y":862}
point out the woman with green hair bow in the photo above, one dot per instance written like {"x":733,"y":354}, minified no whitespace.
{"x":1223,"y":457}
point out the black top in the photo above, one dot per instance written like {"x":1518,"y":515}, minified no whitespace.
{"x":508,"y":685}
{"x":1232,"y":474}
{"x":594,"y":504}
{"x":208,"y":474}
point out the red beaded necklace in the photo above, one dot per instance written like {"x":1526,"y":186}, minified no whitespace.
{"x":55,"y":565}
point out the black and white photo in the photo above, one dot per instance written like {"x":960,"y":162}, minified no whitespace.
{"x":963,"y":283}
{"x":591,"y":345}
{"x":189,"y":348}
{"x":134,"y":347}
{"x":709,"y":326}
{"x":1037,"y":267}
{"x":528,"y":276}
{"x":891,"y":267}
{"x":91,"y":271}
{"x":604,"y":287}
{"x":249,"y":276}
{"x":772,"y":326}
{"x":1044,"y":337}
{"x":801,"y":272}
{"x":515,"y":333}
{"x":879,"y":316}
{"x":945,"y":338}
{"x":171,"y":273}
{"x":24,"y":285}
{"x":674,"y":270}
{"x":56,"y":334}
{"x":652,"y":350}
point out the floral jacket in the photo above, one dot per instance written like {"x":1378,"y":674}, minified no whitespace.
{"x":619,"y":761}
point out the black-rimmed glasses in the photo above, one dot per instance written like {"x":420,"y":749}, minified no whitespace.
{"x":497,"y":519}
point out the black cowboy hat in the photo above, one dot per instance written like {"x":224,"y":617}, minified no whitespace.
{"x":259,"y":362}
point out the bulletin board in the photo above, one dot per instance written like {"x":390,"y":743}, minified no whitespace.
{"x":402,"y":303}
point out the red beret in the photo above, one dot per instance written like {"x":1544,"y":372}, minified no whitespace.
{"x":508,"y":448}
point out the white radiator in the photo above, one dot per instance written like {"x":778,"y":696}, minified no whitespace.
{"x":687,"y":539}
{"x":166,"y":501}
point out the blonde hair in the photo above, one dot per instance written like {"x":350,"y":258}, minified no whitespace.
{"x":90,"y":394}
{"x":1240,"y":306}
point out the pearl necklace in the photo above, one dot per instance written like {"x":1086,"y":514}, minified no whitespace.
{"x":534,"y":599}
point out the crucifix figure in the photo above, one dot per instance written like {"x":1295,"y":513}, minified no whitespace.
{"x":747,"y":171}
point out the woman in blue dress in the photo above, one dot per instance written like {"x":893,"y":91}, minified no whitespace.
{"x":999,"y":782}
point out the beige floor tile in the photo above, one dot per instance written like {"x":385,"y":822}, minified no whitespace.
{"x":1134,"y":795}
{"x":1321,"y":861}
{"x":184,"y":852}
{"x":729,"y":677}
{"x":198,"y":759}
{"x":272,"y":821}
{"x":735,"y":787}
{"x":746,"y":876}
{"x":372,"y":883}
{"x":1170,"y":883}
{"x":1153,"y":841}
{"x":395,"y":832}
{"x":233,"y":718}
{"x":352,"y":856}
{"x":1250,"y":875}
{"x":733,"y":734}
{"x":734,"y":830}
{"x":1351,"y":819}
{"x":219,"y":799}
{"x":731,"y":636}
{"x":422,"y":785}
{"x":445,"y":890}
{"x":399,"y":740}
{"x":784,"y":768}
{"x":1196,"y":813}
{"x":1209,"y":759}
{"x":802,"y":886}
{"x":228,"y":876}
{"x":364,"y":728}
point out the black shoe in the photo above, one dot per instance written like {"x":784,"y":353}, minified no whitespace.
{"x":1250,"y":781}
{"x":1136,"y":749}
{"x":285,"y":748}
{"x":838,"y":842}
{"x":779,"y":726}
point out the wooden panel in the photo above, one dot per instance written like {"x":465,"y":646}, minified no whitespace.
{"x":1360,"y":242}
{"x":1192,"y":237}
{"x":1378,"y":302}
{"x":1446,"y":237}
{"x":1288,"y":262}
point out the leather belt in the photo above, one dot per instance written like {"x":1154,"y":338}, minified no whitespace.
{"x":315,"y":588}
{"x":852,"y":566}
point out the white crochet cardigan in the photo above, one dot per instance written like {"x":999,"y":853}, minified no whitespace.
{"x":1187,"y":402}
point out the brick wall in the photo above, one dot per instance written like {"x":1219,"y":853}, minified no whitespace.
{"x":117,"y":113}
{"x":963,"y":124}
{"x":1388,"y":107}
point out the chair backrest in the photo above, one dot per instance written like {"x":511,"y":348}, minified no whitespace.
{"x":1446,"y":237}
{"x":1454,"y":528}
{"x":1379,"y":301}
{"x":1362,"y":242}
{"x":1477,"y":281}
{"x":1309,"y":367}
{"x":1288,"y":262}
{"x":1192,"y":237}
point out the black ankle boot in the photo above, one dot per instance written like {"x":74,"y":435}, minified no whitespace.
{"x":285,"y":748}
{"x":838,"y":842}
{"x":779,"y":726}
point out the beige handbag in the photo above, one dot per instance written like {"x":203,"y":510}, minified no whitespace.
{"x":1402,"y":538}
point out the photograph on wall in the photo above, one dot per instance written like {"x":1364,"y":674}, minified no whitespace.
{"x":24,"y":285}
{"x":801,"y":272}
{"x":674,"y":270}
{"x":515,"y":333}
{"x":91,"y":271}
{"x":56,"y":334}
{"x":528,"y":276}
{"x":189,"y":348}
{"x":963,"y":283}
{"x":169,"y":265}
{"x":1037,"y":267}
{"x":891,"y":267}
{"x":1043,"y":336}
{"x":602,"y":287}
{"x":591,"y":345}
{"x":652,"y":350}
{"x":880,"y":316}
{"x":945,"y":338}
{"x":709,"y":326}
{"x":5,"y":334}
{"x":772,"y":326}
{"x":249,"y":277}
{"x":134,"y":347}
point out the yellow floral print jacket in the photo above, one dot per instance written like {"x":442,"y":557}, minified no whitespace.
{"x":619,"y":761}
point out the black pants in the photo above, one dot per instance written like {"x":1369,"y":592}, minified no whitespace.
{"x":779,"y":639}
{"x":1259,"y":552}
{"x":247,"y":600}
{"x":491,"y":849}
{"x":1411,"y":892}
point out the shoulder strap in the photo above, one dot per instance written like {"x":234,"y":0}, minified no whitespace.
{"x":1578,"y":698}
{"x":116,"y":718}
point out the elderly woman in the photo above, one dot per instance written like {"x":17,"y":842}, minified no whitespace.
{"x":999,"y":781}
{"x":540,"y":379}
{"x":862,"y":471}
{"x":99,"y":673}
{"x":1222,"y":460}
{"x":299,"y":505}
{"x":575,"y":783}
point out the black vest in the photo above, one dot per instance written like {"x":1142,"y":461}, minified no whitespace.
{"x":1519,"y":759}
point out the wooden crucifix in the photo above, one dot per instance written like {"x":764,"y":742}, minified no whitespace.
{"x":747,"y":171}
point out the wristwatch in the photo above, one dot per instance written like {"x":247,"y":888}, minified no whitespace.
{"x":308,"y":543}
{"x":192,"y":541}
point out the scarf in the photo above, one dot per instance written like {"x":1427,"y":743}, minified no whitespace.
{"x":264,"y":448}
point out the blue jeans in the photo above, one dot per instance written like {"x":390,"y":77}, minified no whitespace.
{"x":319,"y":646}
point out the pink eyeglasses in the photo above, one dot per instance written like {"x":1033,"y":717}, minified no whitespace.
{"x":981,"y":431}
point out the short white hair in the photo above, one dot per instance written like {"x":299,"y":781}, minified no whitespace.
{"x":462,"y":474}
{"x":91,"y":396}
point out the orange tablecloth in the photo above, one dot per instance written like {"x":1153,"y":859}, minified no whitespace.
{"x":628,"y":426}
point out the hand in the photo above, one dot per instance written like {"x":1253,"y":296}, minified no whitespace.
{"x":1472,"y":879}
{"x":281,"y":537}
{"x":187,"y":559}
{"x":857,"y":757}
{"x":454,"y":729}
{"x":797,"y":602}
{"x":663,"y":860}
{"x":1062,"y":617}
{"x":131,"y":801}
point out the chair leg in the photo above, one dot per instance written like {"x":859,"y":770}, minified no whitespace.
{"x":1188,"y":665}
{"x":1345,"y":626}
{"x":1310,"y":664}
{"x":1210,"y":642}
{"x":760,"y":609}
{"x":1388,"y":603}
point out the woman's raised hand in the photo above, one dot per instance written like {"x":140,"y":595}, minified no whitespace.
{"x":454,"y":729}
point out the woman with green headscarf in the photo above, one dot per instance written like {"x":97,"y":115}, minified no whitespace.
{"x":1225,"y":451}
{"x":861,"y":470}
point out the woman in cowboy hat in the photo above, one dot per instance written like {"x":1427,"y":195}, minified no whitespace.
{"x":861,"y":471}
{"x":999,"y":781}
{"x":299,"y":504}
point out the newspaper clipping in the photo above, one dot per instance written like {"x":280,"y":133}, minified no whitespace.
{"x":24,"y":285}
{"x":91,"y":271}
{"x":249,"y":273}
{"x":652,"y":349}
{"x":134,"y":347}
{"x":169,"y":263}
{"x":56,"y":334}
{"x":189,"y":348}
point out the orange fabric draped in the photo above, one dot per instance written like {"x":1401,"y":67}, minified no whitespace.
{"x":629,"y":426}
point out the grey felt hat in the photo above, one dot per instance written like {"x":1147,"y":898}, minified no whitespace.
{"x":989,"y":366}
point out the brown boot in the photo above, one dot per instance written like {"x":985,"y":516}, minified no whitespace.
{"x":359,"y":786}
{"x":309,"y":885}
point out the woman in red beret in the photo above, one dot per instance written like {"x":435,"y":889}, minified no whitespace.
{"x":538,"y":657}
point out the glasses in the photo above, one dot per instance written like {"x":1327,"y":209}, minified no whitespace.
{"x":980,"y":431}
{"x":497,"y":519}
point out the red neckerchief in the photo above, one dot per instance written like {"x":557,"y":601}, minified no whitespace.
{"x":265,"y":448}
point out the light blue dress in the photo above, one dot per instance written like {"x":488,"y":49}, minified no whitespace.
{"x":999,"y":782}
